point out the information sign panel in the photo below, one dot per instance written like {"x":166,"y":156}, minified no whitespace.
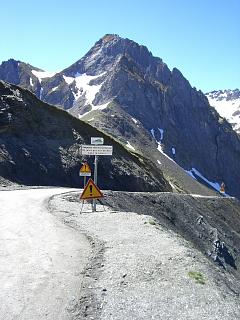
{"x":98,"y":150}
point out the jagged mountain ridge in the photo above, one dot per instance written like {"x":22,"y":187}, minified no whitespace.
{"x":20,"y":73}
{"x":227,"y":104}
{"x":106,"y":54}
{"x":118,"y":74}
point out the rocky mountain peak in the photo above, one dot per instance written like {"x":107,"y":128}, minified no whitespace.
{"x":109,"y":38}
{"x":9,"y":71}
{"x":226,"y":94}
{"x":106,"y":51}
{"x":227,"y":104}
{"x":20,"y":73}
{"x":122,"y":88}
{"x":11,"y":61}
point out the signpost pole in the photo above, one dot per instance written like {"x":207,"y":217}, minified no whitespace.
{"x":84,"y":182}
{"x":95,"y":181}
{"x":97,"y":148}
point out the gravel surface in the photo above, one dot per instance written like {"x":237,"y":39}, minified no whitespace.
{"x":141,"y":270}
{"x":41,"y":259}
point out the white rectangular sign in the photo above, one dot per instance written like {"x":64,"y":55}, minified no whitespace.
{"x":97,"y":140}
{"x":101,"y":150}
{"x":85,"y":174}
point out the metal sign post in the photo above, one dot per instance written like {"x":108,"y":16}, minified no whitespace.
{"x":96,"y":149}
{"x":95,"y":180}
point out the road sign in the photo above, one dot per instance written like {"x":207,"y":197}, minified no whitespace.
{"x":92,"y":150}
{"x":85,"y":170}
{"x":91,"y":191}
{"x":97,"y":140}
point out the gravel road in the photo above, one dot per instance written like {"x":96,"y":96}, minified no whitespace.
{"x":141,"y":270}
{"x":41,"y":259}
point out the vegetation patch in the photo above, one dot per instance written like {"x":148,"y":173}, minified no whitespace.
{"x":197,"y":276}
{"x":152,"y":222}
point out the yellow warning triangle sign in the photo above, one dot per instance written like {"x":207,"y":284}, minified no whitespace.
{"x":91,"y":191}
{"x":85,"y":168}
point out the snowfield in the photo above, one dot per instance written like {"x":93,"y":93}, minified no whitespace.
{"x":41,"y":258}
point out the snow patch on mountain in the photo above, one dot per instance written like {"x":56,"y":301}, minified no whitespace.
{"x":160,"y":149}
{"x":82,"y":82}
{"x":40,"y":94}
{"x":160,"y":145}
{"x":43,"y":74}
{"x":161,"y":133}
{"x":227,"y":104}
{"x":54,"y":89}
{"x":84,"y":89}
{"x":94,"y":108}
{"x":190,"y":173}
{"x":153,"y":133}
{"x":68,"y":80}
{"x":194,"y":173}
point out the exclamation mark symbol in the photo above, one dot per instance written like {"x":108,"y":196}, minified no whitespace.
{"x":90,"y":190}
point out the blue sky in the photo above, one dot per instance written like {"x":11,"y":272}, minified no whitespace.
{"x":199,"y":37}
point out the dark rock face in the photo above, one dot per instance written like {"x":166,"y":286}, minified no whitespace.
{"x":10,"y":71}
{"x":39,"y":145}
{"x":20,"y":73}
{"x":121,"y":73}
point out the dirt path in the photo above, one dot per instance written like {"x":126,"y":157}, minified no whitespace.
{"x":41,"y":259}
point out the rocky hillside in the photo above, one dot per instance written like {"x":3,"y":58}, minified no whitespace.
{"x":23,"y":74}
{"x":120,"y":87}
{"x":227,"y":104}
{"x":212,"y":224}
{"x":153,"y":260}
{"x":39,"y":145}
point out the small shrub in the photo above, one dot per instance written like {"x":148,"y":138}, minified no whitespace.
{"x":197,"y":276}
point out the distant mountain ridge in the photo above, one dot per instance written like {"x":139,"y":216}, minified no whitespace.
{"x":227,"y":104}
{"x":119,"y":87}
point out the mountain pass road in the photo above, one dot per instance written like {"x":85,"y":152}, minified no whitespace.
{"x":41,"y":259}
